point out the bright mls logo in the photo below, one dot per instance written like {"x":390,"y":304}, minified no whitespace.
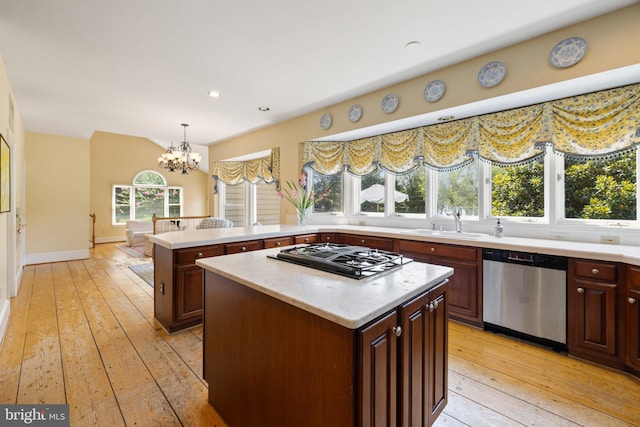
{"x":34,"y":415}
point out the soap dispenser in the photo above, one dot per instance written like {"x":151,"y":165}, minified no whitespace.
{"x":499,"y":229}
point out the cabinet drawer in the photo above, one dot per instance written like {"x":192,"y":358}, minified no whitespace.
{"x":437,"y":249}
{"x":307,"y":238}
{"x":189,"y":256}
{"x":234,"y":248}
{"x":277,"y":242}
{"x":633,"y":275}
{"x":596,"y":270}
{"x":371,"y":242}
{"x":327,"y":237}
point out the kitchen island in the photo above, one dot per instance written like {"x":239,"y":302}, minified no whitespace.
{"x":289,"y":345}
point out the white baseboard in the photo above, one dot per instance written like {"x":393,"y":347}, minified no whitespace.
{"x":4,"y":318}
{"x":56,"y":256}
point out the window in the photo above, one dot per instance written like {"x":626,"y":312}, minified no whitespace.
{"x":410,"y":192}
{"x":148,"y":195}
{"x":247,"y":203}
{"x":518,"y":191}
{"x":267,"y":204}
{"x":333,"y":202}
{"x":235,"y":203}
{"x":372,"y":192}
{"x":458,"y":189}
{"x":601,"y":189}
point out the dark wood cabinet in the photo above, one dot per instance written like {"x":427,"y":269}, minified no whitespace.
{"x":234,"y":248}
{"x":278,"y":241}
{"x":307,"y":238}
{"x":382,"y":243}
{"x":592,"y":310}
{"x":632,"y":307}
{"x":178,"y":285}
{"x":465,"y":286}
{"x":377,"y":372}
{"x":403,"y":367}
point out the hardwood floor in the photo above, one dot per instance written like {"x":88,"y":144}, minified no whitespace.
{"x":82,"y":333}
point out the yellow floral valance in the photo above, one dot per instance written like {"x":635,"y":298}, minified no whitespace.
{"x":594,"y":124}
{"x":265,"y":169}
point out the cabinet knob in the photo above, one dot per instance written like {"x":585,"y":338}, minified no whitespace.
{"x":328,"y":238}
{"x":595,"y":271}
{"x":631,"y":300}
{"x":362,"y":241}
{"x":580,"y":290}
{"x":433,"y":249}
{"x":397,"y":330}
{"x":244,"y":248}
{"x":433,"y":305}
{"x":199,"y":255}
{"x":277,"y":243}
{"x":306,"y":240}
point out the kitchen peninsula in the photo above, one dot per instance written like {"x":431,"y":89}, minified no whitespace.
{"x":289,"y":345}
{"x":603,"y":280}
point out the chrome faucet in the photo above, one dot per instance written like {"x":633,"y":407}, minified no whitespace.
{"x":433,"y":223}
{"x":456,"y":217}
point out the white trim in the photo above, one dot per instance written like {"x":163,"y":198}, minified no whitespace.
{"x":47,"y":257}
{"x":5,"y":310}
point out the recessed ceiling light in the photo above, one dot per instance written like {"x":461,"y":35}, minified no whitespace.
{"x":412,"y":44}
{"x":214,"y":94}
{"x":263,"y":108}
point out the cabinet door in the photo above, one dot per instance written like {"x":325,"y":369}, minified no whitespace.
{"x":464,"y":290}
{"x":632,"y":303}
{"x":378,"y":344}
{"x":188,"y":294}
{"x":592,"y":317}
{"x":438,"y":347}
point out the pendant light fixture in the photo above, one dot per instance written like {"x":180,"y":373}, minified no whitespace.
{"x":180,"y":158}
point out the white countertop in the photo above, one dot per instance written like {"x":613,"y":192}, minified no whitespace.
{"x":349,"y":302}
{"x":604,"y":252}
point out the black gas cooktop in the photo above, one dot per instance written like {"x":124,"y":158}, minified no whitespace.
{"x":356,"y":262}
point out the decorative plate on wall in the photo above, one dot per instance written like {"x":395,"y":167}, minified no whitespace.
{"x":355,"y":112}
{"x":325,"y":121}
{"x":389,"y":103}
{"x":491,"y":73}
{"x":434,"y":90}
{"x":568,"y":52}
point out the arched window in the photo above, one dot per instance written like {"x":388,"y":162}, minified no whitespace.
{"x":148,"y":195}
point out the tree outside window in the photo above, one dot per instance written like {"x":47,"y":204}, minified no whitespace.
{"x":518,"y":190}
{"x":333,"y":201}
{"x":601,"y":188}
{"x":413,"y":184}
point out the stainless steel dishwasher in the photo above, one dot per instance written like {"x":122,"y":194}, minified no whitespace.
{"x":525,"y":295}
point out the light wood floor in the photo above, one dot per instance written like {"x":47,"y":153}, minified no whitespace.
{"x":82,"y":333}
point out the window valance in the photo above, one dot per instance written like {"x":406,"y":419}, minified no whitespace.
{"x":265,"y":169}
{"x":590,"y":125}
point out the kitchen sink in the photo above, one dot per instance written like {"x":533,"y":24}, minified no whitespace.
{"x":446,"y":233}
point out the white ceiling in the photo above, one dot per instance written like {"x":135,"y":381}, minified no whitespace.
{"x":143,"y":67}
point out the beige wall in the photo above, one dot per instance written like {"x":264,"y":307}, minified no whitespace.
{"x":11,"y":244}
{"x":57,"y":197}
{"x":612,"y":43}
{"x":117,"y":159}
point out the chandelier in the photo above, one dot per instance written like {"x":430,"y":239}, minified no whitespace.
{"x":180,"y":158}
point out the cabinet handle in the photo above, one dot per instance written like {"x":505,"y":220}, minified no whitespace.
{"x":397,"y":330}
{"x":433,"y":305}
{"x":595,"y":271}
{"x":580,"y":290}
{"x":199,"y":255}
{"x":631,"y":300}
